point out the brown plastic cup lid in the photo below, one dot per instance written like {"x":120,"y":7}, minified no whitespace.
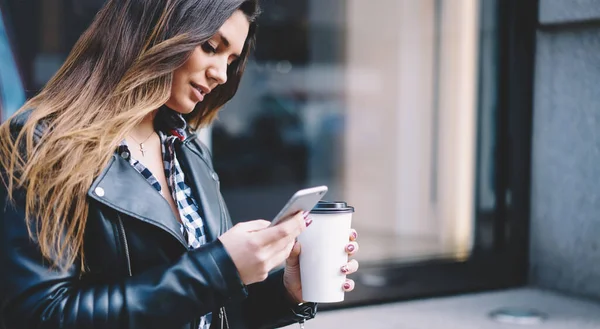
{"x":332,"y":207}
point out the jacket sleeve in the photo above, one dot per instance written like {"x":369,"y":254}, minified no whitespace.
{"x":268,"y":305}
{"x":33,"y":295}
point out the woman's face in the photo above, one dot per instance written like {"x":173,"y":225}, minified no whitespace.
{"x":207,"y":66}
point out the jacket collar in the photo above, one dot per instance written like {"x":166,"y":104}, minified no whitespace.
{"x":122,"y":188}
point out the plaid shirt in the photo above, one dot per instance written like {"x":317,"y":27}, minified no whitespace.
{"x":192,"y":224}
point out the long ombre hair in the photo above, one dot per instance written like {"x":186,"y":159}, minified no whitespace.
{"x":119,"y":71}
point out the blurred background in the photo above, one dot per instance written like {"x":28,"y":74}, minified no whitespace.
{"x":463,"y":131}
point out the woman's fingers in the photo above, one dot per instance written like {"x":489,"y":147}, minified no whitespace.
{"x":351,"y":267}
{"x":352,"y":248}
{"x":353,"y":235}
{"x":348,"y":285}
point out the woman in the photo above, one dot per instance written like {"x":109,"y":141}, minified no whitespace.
{"x":86,"y":240}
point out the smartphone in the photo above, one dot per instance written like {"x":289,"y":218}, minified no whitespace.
{"x":303,"y":200}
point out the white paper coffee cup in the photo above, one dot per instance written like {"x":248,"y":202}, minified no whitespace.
{"x":323,"y":252}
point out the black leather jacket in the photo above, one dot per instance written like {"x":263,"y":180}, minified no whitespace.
{"x":140,"y":273}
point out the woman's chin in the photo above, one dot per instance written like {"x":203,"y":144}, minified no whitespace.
{"x":190,"y":108}
{"x":186,"y":108}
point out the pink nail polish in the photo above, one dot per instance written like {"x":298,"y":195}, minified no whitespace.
{"x":354,"y":235}
{"x":346,"y":286}
{"x":308,"y":222}
{"x":345,"y":269}
{"x":350,"y":248}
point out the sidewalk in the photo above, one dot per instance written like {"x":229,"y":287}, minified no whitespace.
{"x":464,"y":312}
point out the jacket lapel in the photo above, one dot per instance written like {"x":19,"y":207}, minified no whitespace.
{"x":204,"y":183}
{"x":122,"y":188}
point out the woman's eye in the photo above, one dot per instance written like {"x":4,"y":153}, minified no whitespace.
{"x":207,"y":47}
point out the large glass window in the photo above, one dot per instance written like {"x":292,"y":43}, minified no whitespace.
{"x":377,"y":100}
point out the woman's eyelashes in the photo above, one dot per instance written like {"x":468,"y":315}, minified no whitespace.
{"x":207,"y":47}
{"x":210,"y":49}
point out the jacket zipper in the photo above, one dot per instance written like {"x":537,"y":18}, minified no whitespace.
{"x":125,"y":244}
{"x":222,"y":312}
{"x":223,"y":318}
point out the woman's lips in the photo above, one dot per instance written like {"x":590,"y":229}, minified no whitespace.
{"x":198,"y":93}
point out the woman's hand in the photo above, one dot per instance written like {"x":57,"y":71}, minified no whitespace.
{"x":291,"y":277}
{"x":256,"y":248}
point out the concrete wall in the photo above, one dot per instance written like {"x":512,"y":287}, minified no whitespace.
{"x":565,"y":213}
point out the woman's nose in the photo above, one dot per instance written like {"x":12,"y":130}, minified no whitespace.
{"x":218,"y":72}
